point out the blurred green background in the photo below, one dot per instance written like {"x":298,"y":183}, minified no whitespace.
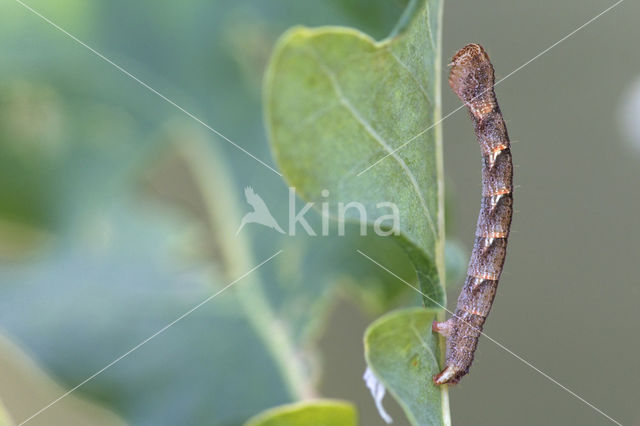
{"x":105,"y":232}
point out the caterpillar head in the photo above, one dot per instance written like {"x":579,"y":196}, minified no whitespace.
{"x":471,"y":77}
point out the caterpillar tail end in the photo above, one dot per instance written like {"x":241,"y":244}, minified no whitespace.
{"x":447,"y":376}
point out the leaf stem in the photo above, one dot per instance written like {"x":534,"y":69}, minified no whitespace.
{"x":440,"y":241}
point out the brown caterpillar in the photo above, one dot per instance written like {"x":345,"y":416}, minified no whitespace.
{"x":472,"y":79}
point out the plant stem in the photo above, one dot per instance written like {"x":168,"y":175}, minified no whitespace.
{"x":440,"y":242}
{"x":221,"y":205}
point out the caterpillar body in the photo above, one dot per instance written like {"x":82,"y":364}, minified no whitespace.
{"x":472,"y":79}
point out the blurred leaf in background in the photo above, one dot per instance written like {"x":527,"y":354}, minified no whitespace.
{"x":118,"y":286}
{"x":4,"y":417}
{"x":25,"y":388}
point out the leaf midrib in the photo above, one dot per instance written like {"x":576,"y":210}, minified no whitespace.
{"x":332,"y":76}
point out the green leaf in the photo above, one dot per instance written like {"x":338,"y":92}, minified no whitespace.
{"x":317,"y":413}
{"x":403,"y":354}
{"x":337,"y":101}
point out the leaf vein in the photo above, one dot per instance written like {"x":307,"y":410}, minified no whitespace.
{"x":427,"y":18}
{"x":413,"y":76}
{"x":423,"y":343}
{"x":371,"y":131}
